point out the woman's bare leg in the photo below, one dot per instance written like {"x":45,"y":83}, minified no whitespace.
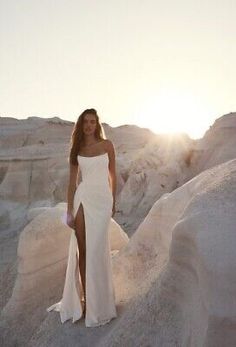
{"x":81,"y":239}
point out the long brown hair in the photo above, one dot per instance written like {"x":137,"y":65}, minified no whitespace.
{"x":77,"y":137}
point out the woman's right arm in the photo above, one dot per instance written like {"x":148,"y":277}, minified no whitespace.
{"x":71,"y":187}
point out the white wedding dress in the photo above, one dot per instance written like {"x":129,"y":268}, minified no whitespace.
{"x":96,"y":197}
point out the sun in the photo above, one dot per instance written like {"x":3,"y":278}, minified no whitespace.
{"x":171,"y":111}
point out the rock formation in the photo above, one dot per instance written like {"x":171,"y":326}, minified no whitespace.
{"x":34,"y":167}
{"x":177,"y":271}
{"x":174,"y":279}
{"x":217,"y":146}
{"x":42,"y":257}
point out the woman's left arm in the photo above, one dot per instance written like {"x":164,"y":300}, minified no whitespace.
{"x":112,"y":171}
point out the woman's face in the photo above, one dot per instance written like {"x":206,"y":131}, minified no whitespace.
{"x":89,"y":124}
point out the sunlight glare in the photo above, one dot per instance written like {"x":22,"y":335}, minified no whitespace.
{"x":174,"y":112}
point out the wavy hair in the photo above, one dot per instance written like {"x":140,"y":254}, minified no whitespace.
{"x":77,"y":137}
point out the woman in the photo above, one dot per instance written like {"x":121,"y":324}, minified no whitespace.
{"x":91,"y":204}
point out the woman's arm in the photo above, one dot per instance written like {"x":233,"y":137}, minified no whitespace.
{"x":112,"y":170}
{"x":71,"y":187}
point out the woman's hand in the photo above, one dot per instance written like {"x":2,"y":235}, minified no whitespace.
{"x":70,"y":220}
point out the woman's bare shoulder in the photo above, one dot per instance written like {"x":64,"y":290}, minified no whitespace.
{"x":107,"y":142}
{"x":109,"y":147}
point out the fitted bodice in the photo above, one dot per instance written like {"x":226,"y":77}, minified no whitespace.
{"x":94,"y":170}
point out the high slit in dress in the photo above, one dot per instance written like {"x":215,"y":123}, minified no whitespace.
{"x":95,"y":194}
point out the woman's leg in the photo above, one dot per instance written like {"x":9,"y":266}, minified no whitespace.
{"x":81,"y":239}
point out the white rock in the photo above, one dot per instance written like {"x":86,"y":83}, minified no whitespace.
{"x":178,"y":268}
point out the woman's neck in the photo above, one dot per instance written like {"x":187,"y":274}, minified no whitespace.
{"x":90,"y":140}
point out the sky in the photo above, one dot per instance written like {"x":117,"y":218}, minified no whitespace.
{"x":164,"y":65}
